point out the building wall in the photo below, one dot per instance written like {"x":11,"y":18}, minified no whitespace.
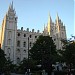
{"x":14,"y":41}
{"x":22,"y":42}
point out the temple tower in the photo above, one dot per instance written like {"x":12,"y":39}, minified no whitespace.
{"x":8,"y":33}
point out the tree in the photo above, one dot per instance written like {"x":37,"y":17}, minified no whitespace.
{"x":2,"y":60}
{"x":43,"y":52}
{"x":23,"y":66}
{"x":69,"y":53}
{"x":5,"y":64}
{"x":9,"y":67}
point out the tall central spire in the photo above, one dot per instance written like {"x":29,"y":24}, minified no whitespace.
{"x":49,"y":17}
{"x":57,"y":17}
{"x":11,"y":6}
{"x":49,"y":23}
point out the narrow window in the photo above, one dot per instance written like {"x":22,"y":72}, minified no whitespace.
{"x":24,"y":44}
{"x":9,"y":34}
{"x":18,"y":43}
{"x":30,"y":36}
{"x":30,"y":44}
{"x":8,"y":52}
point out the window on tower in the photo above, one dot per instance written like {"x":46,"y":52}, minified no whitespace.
{"x":8,"y":52}
{"x":9,"y":34}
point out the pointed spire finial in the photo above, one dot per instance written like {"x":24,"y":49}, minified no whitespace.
{"x":12,"y":5}
{"x":49,"y":14}
{"x":49,"y":17}
{"x":57,"y":16}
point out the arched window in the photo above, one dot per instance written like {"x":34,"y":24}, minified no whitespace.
{"x":18,"y":43}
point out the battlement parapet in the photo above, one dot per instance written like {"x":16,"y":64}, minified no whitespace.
{"x":27,"y":30}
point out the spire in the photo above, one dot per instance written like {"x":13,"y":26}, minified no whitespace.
{"x":49,"y":17}
{"x":11,"y":9}
{"x":11,"y":6}
{"x":49,"y":23}
{"x":49,"y":14}
{"x":57,"y":17}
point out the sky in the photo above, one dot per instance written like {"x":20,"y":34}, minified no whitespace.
{"x":33,"y":14}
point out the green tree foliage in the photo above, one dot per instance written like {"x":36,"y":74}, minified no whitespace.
{"x":44,"y":52}
{"x":9,"y":67}
{"x":24,"y":65}
{"x":2,"y":60}
{"x":6,"y":65}
{"x":68,"y":53}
